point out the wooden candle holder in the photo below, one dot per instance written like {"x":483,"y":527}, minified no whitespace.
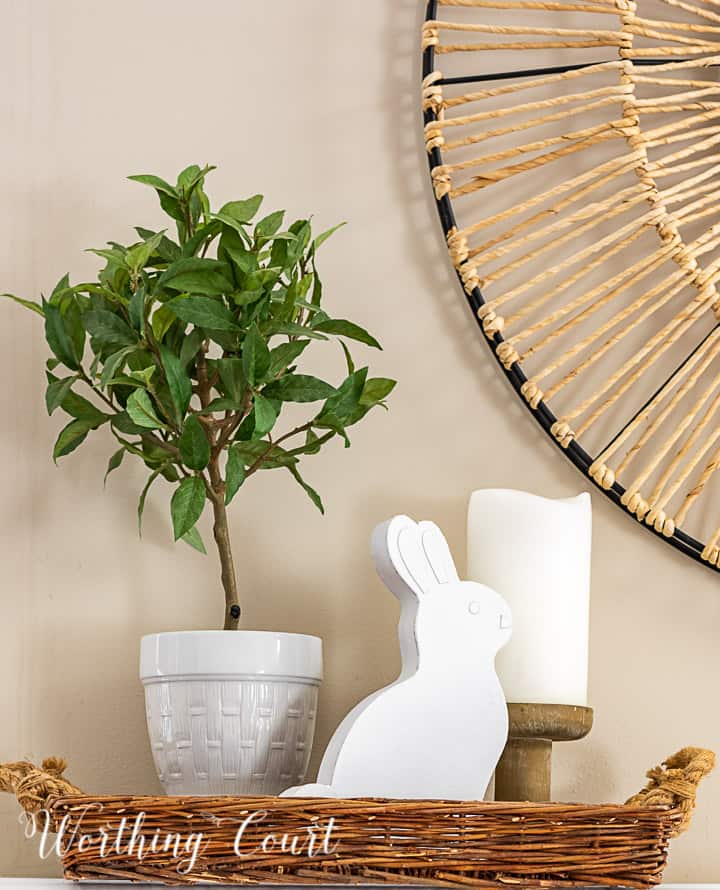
{"x":525,"y":768}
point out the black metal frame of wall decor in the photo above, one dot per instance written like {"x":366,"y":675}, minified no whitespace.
{"x":513,"y":370}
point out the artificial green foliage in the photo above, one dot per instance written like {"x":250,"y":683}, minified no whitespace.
{"x":186,"y":349}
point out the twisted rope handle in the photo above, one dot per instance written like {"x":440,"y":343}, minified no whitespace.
{"x":674,"y":783}
{"x":36,"y":787}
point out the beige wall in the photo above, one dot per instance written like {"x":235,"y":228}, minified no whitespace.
{"x":315,"y":104}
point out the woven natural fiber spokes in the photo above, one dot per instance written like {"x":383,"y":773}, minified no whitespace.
{"x":574,"y":152}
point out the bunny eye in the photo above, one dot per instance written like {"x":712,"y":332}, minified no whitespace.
{"x":474,"y":607}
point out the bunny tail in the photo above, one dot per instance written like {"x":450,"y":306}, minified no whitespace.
{"x":312,"y":790}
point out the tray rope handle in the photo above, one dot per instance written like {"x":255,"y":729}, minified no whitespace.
{"x":674,"y":783}
{"x":37,"y":787}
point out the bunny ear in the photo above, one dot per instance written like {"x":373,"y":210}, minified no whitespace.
{"x":438,"y":553}
{"x":410,"y":557}
{"x":417,"y":565}
{"x":390,"y":564}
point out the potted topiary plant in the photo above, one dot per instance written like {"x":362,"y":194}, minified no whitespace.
{"x":186,"y":350}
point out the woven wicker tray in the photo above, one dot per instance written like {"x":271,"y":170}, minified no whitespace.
{"x":371,"y":841}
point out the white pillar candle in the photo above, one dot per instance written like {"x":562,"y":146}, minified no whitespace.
{"x":536,"y":553}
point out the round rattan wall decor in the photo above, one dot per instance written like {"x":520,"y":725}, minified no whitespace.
{"x":574,"y":152}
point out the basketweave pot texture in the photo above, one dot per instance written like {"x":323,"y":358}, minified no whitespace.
{"x":230,"y":736}
{"x":272,"y":840}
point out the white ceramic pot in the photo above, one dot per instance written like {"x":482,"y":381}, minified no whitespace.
{"x":230,"y":711}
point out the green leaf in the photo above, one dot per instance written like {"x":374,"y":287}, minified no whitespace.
{"x":230,"y":224}
{"x":232,"y":377}
{"x":81,"y":409}
{"x":143,"y":376}
{"x":167,"y":249}
{"x":173,"y":208}
{"x":272,"y":455}
{"x":136,"y":309}
{"x":325,"y":235}
{"x":313,"y":443}
{"x":115,"y":256}
{"x":155,"y":182}
{"x":234,"y":473}
{"x":114,"y":463}
{"x":75,"y":328}
{"x":162,"y":320}
{"x":92,"y":290}
{"x":255,"y":356}
{"x":299,"y":388}
{"x":331,"y":422}
{"x":242,"y":211}
{"x":262,"y":278}
{"x":348,"y":358}
{"x":318,"y":316}
{"x":141,"y":411}
{"x":56,"y":392}
{"x":109,"y":330}
{"x":194,"y":445}
{"x":246,"y":297}
{"x":218,"y":405}
{"x":292,"y":329}
{"x":279,"y":252}
{"x":58,"y":338}
{"x":245,"y":431}
{"x":191,"y":344}
{"x":135,"y":381}
{"x":179,"y":382}
{"x":228,"y":340}
{"x":203,"y":237}
{"x":356,"y":416}
{"x":281,"y":357}
{"x":192,"y":176}
{"x":113,"y":363}
{"x":70,"y":437}
{"x":265,"y":414}
{"x":198,"y":275}
{"x":28,"y":304}
{"x":189,"y":178}
{"x":347,"y":398}
{"x":168,"y":471}
{"x":204,"y":312}
{"x":343,"y":328}
{"x":244,"y":260}
{"x":62,"y":287}
{"x":187,"y":505}
{"x":308,"y":489}
{"x":317,"y":287}
{"x":376,"y":389}
{"x":301,"y":230}
{"x":194,"y":540}
{"x":143,"y":497}
{"x":269,"y":225}
{"x":196,"y":198}
{"x":122,"y":423}
{"x":156,"y":457}
{"x":138,"y":255}
{"x":303,"y":304}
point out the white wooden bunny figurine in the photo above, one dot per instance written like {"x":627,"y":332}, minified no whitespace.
{"x":439,"y":729}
